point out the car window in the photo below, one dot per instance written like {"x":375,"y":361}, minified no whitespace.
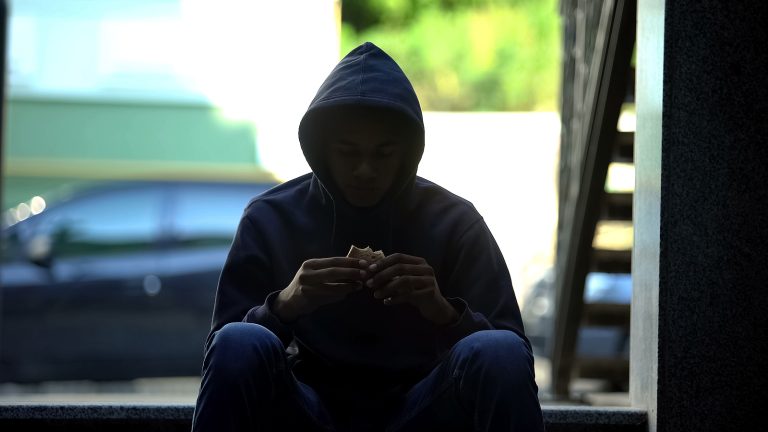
{"x":115,"y":221}
{"x":9,"y":245}
{"x":208,"y":214}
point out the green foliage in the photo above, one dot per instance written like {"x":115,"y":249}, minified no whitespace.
{"x":481,"y":55}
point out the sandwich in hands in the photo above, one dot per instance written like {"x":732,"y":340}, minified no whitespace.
{"x":367,"y":254}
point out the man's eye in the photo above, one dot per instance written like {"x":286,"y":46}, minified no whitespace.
{"x":385,"y":152}
{"x":345,"y":151}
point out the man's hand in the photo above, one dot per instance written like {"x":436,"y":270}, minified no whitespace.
{"x":319,"y":282}
{"x":400,"y":278}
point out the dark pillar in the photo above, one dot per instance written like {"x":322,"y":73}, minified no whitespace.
{"x":712,"y":226}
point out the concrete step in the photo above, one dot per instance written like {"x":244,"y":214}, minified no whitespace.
{"x":167,"y":418}
{"x":606,"y":314}
{"x":616,"y":206}
{"x":624,"y":148}
{"x":611,"y":261}
{"x":613,"y":370}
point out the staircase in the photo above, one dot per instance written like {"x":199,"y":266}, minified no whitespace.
{"x":597,"y":81}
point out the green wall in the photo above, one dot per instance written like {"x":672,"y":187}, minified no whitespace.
{"x":50,"y":142}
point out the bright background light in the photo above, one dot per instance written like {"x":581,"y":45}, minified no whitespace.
{"x":505,"y":164}
{"x":261,"y":62}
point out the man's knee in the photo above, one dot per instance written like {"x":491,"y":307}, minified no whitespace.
{"x":242,"y":347}
{"x":500,"y":350}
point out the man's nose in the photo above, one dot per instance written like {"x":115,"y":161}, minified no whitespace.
{"x":364,"y":171}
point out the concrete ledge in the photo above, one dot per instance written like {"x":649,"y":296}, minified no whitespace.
{"x":594,"y":419}
{"x":110,"y":417}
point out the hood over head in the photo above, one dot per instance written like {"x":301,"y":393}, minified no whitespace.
{"x":366,"y":77}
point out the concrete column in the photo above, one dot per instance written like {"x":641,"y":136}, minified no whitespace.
{"x":700,"y":309}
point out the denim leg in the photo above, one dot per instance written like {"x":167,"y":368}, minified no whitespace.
{"x":485,"y":384}
{"x":246,"y":385}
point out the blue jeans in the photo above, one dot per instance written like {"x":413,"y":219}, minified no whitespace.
{"x":486,"y":383}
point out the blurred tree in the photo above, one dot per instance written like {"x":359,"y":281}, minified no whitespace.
{"x":466,"y":55}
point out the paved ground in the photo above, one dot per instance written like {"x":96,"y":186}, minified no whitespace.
{"x":146,"y":390}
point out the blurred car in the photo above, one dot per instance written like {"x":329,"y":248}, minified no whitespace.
{"x":116,"y":282}
{"x":538,"y":314}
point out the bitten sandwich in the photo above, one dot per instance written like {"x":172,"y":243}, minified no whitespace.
{"x":367,"y":254}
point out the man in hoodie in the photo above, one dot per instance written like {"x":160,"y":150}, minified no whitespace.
{"x":304,"y":338}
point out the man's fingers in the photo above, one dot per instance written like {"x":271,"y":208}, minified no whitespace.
{"x":399,"y":270}
{"x":329,"y":290}
{"x":415,"y":297}
{"x":396,"y":258}
{"x":404,"y":285}
{"x":332,"y":274}
{"x":322,"y":263}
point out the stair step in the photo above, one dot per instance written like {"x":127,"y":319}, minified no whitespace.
{"x":607,"y":399}
{"x":611,"y":261}
{"x":124,"y":418}
{"x":606,"y":314}
{"x":624,"y":148}
{"x":629,"y":96}
{"x":611,"y":369}
{"x":616,"y":206}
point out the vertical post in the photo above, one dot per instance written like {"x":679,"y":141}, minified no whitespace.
{"x":643,"y":364}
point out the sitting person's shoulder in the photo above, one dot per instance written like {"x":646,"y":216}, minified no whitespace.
{"x":285,"y":194}
{"x":432,"y":194}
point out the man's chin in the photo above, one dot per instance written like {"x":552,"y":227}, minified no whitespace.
{"x":364,"y":202}
{"x":359,"y":204}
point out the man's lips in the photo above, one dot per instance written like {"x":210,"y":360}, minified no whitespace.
{"x":363,"y":188}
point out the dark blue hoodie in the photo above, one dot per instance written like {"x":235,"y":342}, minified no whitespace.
{"x":308,"y":217}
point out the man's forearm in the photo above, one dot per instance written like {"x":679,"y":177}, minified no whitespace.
{"x":445,"y":314}
{"x":284,"y":309}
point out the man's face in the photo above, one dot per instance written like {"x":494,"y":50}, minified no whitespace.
{"x":364,"y":154}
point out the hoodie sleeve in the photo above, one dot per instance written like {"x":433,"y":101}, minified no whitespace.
{"x":246,"y":287}
{"x":480,"y":288}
